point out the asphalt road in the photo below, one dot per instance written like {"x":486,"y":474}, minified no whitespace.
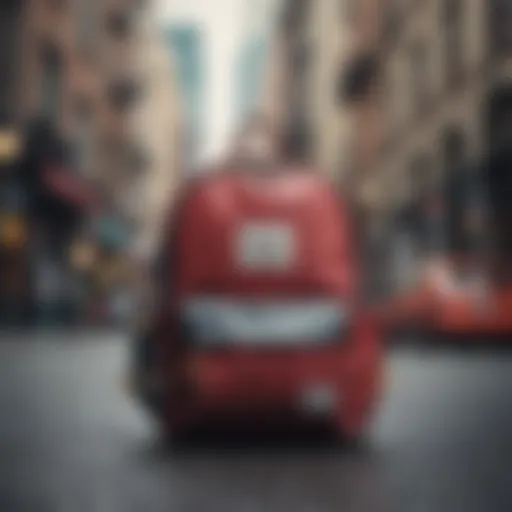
{"x":71,"y":441}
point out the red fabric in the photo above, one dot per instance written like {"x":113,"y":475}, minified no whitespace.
{"x":206,"y":225}
{"x":210,"y":221}
{"x":70,"y":187}
{"x":234,"y":385}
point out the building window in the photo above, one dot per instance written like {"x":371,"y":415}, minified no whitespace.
{"x":120,"y":23}
{"x":500,"y":119}
{"x":356,"y":80}
{"x":420,"y":184}
{"x":498,"y":180}
{"x":10,"y":57}
{"x":419,"y":77}
{"x":123,"y":93}
{"x":454,"y":157}
{"x":500,"y":17}
{"x":51,"y":83}
{"x":453,"y":23}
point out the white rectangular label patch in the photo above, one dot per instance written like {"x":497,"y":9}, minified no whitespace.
{"x":266,"y":247}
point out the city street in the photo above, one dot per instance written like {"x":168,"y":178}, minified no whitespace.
{"x":72,"y":441}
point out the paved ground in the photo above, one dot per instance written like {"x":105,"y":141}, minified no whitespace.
{"x":71,"y":441}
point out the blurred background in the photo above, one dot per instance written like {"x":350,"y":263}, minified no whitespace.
{"x":106,"y":106}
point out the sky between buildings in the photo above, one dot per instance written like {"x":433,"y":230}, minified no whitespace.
{"x":222,"y":32}
{"x":224,"y":22}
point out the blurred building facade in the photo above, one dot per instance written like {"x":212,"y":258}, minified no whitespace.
{"x":324,"y":95}
{"x":329,"y":82}
{"x":359,"y":92}
{"x":397,"y":79}
{"x":314,"y":43}
{"x":447,"y":101}
{"x":326,"y":50}
{"x":69,"y":90}
{"x":434,"y":90}
{"x":11,"y":40}
{"x":158,"y":125}
{"x":186,"y":44}
{"x":390,"y":97}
